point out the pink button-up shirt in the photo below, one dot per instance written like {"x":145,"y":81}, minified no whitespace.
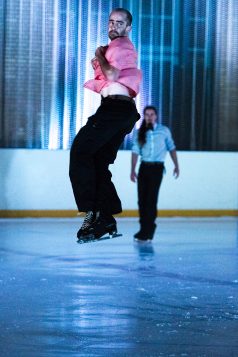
{"x":120,"y":54}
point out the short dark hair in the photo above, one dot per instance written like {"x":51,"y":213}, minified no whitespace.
{"x":150,"y":107}
{"x":126,"y":12}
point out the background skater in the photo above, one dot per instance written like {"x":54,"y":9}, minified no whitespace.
{"x":116,"y":79}
{"x":151,"y":141}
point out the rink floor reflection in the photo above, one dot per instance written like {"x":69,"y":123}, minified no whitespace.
{"x":177,"y":296}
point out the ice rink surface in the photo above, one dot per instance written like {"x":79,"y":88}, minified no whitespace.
{"x":176,"y":296}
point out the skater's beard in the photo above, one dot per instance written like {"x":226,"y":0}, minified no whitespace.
{"x":113,"y":34}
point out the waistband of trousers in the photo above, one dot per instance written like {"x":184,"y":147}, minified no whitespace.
{"x":152,"y":163}
{"x":118,"y":97}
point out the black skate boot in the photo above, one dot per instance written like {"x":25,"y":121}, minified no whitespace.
{"x":87,"y":224}
{"x":145,"y":235}
{"x":139,"y":234}
{"x":101,"y":226}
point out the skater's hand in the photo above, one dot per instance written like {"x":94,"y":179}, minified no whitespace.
{"x":133,"y":176}
{"x":176,"y":172}
{"x":94,"y":62}
{"x":100,"y":51}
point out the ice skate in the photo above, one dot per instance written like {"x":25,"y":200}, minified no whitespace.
{"x":87,"y":224}
{"x":103,"y":228}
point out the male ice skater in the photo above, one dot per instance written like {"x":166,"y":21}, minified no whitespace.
{"x":116,"y":79}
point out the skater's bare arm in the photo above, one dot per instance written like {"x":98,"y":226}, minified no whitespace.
{"x":174,"y":158}
{"x":110,"y":72}
{"x":134,"y":158}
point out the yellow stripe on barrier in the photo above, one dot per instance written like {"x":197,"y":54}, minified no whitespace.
{"x":125,"y":213}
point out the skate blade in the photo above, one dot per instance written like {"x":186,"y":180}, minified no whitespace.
{"x":141,"y":241}
{"x":92,"y":239}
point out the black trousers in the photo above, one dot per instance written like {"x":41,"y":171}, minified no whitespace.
{"x":148,"y":184}
{"x":94,"y":149}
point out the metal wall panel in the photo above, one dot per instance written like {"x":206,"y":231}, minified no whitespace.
{"x":187,"y":50}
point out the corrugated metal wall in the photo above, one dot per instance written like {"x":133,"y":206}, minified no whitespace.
{"x":187,"y":50}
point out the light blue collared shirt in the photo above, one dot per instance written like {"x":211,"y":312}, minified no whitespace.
{"x":158,"y":142}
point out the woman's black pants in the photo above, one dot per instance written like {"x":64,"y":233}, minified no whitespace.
{"x":149,"y":180}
